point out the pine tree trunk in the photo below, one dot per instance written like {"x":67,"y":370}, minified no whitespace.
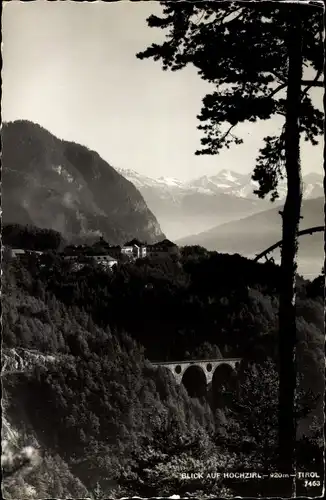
{"x":291,"y":219}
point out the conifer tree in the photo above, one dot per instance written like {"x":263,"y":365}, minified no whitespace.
{"x":254,"y":53}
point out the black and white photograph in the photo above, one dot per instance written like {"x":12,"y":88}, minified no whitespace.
{"x":162,"y":249}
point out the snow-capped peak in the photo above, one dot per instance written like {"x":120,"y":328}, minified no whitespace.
{"x":142,"y":181}
{"x":223,"y":182}
{"x":228,"y":175}
{"x":170,"y":181}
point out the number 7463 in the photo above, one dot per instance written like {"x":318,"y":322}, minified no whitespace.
{"x":308,"y":483}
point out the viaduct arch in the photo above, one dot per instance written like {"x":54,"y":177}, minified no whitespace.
{"x":199,"y":375}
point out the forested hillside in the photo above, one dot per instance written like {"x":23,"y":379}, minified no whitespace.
{"x":105,"y":421}
{"x":30,"y":237}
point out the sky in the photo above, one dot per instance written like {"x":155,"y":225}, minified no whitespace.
{"x":71,"y":67}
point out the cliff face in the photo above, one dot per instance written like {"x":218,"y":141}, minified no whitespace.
{"x":64,"y":186}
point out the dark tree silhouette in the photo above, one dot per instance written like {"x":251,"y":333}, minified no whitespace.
{"x":31,"y":237}
{"x":253,"y":55}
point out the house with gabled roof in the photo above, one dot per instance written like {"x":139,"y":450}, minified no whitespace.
{"x":105,"y":260}
{"x":163,"y":248}
{"x":134,"y":249}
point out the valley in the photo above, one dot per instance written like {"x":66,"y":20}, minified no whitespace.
{"x":189,"y":208}
{"x":147,"y":352}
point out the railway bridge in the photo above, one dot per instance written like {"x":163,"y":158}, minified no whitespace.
{"x":201,"y":375}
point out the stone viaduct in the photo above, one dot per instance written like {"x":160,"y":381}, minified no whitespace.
{"x":206,"y":367}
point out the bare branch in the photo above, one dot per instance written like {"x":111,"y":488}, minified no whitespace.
{"x":200,"y":19}
{"x":306,"y":90}
{"x":226,"y":133}
{"x":280,"y":77}
{"x":313,"y":83}
{"x":280,"y":87}
{"x":309,"y":83}
{"x":227,"y":14}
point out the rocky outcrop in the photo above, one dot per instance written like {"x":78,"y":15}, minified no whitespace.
{"x":64,"y":186}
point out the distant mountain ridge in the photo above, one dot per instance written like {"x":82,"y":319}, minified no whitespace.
{"x":224,"y":182}
{"x":252,"y":235}
{"x":60,"y":185}
{"x":185,"y":208}
{"x":243,"y":186}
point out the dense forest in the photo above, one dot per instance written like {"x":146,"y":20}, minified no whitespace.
{"x":106,"y":422}
{"x":30,"y":237}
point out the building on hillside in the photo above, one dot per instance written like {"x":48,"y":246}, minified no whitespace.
{"x":115,"y":251}
{"x":134,"y":249}
{"x":105,"y":260}
{"x":21,"y":253}
{"x":74,"y":251}
{"x":81,"y":260}
{"x":70,"y":257}
{"x":162,"y":249}
{"x":17,"y":252}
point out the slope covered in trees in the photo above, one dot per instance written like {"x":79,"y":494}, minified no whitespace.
{"x":104,"y":417}
{"x":31,"y":237}
{"x":253,"y":53}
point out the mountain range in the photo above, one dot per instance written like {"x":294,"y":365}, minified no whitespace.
{"x":61,"y":185}
{"x":186,"y":208}
{"x":251,"y":235}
